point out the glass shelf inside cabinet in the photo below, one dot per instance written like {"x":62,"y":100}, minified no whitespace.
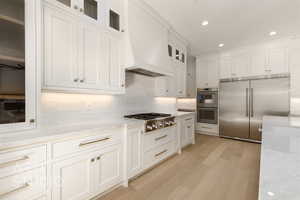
{"x":91,"y":8}
{"x":12,"y":62}
{"x":65,"y":2}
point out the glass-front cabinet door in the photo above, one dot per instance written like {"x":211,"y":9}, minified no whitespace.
{"x":91,"y":9}
{"x":17,"y":66}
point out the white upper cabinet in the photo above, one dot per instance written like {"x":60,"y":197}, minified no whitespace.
{"x":93,"y":10}
{"x":61,"y":49}
{"x":266,"y":59}
{"x":18,"y":65}
{"x":180,"y":81}
{"x":225,"y":66}
{"x":277,"y":57}
{"x":80,"y":56}
{"x":240,"y":66}
{"x":175,"y":84}
{"x":270,"y":59}
{"x":207,"y":72}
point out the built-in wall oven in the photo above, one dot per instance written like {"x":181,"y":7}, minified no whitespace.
{"x":207,"y":115}
{"x":207,"y":106}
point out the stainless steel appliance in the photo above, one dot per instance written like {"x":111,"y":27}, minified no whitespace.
{"x":243,"y":103}
{"x":207,"y":98}
{"x":207,"y":115}
{"x":154,"y":121}
{"x":207,"y":106}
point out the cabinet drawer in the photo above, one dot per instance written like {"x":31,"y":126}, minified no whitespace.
{"x":23,"y":186}
{"x":159,"y":137}
{"x":67,"y":147}
{"x":14,"y":161}
{"x":210,"y":128}
{"x":158,"y":154}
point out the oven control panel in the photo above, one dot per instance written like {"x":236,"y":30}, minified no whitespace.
{"x":153,"y":125}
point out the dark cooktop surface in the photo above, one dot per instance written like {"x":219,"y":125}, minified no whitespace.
{"x":147,"y":116}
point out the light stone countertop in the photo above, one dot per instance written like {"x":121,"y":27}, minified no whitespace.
{"x":280,"y":159}
{"x":43,"y":135}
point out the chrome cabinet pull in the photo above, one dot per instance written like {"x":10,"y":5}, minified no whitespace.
{"x":12,"y":162}
{"x":26,"y":185}
{"x":247,"y":102}
{"x":160,"y":138}
{"x":93,"y":142}
{"x":164,"y":151}
{"x":251,"y":96}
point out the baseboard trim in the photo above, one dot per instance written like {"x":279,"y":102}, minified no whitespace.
{"x":207,"y":133}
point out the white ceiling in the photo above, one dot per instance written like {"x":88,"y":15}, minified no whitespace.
{"x":232,"y":22}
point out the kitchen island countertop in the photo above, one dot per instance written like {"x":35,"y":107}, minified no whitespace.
{"x":280,"y":159}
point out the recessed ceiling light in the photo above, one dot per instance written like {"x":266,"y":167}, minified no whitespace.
{"x":204,"y":23}
{"x":271,"y":194}
{"x":272,"y":33}
{"x":221,"y":45}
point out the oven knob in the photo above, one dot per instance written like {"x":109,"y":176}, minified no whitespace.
{"x":168,"y":123}
{"x":154,"y":126}
{"x":149,"y":127}
{"x":172,"y":123}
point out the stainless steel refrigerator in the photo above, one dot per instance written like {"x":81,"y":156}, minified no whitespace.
{"x":243,"y":104}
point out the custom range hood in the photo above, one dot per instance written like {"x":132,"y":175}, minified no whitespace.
{"x":146,"y":44}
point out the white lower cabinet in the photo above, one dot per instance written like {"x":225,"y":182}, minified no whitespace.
{"x":72,"y":179}
{"x":134,"y":151}
{"x":85,"y":176}
{"x":26,"y":185}
{"x":187,"y":130}
{"x":107,"y":169}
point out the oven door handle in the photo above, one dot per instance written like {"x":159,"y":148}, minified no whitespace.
{"x":247,"y":102}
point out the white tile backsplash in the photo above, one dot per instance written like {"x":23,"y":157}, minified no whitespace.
{"x":66,"y":109}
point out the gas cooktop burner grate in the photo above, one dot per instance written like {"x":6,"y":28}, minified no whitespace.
{"x":147,"y":116}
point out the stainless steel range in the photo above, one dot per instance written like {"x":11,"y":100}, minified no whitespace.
{"x":154,"y":121}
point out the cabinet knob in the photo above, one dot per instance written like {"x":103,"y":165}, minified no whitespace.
{"x":99,"y":157}
{"x":75,"y":7}
{"x":123,"y":85}
{"x":81,"y":9}
{"x":76,"y":80}
{"x":32,"y":121}
{"x":93,"y":160}
{"x":82,"y":80}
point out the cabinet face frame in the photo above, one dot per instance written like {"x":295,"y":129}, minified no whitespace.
{"x":30,"y":73}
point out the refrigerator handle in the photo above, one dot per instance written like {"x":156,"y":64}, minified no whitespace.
{"x":247,"y":102}
{"x":251,"y":103}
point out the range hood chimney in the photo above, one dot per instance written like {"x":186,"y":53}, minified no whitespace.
{"x":146,"y":41}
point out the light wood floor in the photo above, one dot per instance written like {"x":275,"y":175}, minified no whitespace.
{"x":212,"y":169}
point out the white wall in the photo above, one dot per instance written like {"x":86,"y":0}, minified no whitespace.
{"x":68,"y":109}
